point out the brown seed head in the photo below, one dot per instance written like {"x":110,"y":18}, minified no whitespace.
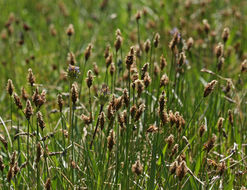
{"x":112,"y":68}
{"x":70,"y":30}
{"x":156,"y":40}
{"x":39,"y":152}
{"x":107,"y":51}
{"x":230,"y":117}
{"x":244,"y":66}
{"x":17,"y":101}
{"x":139,"y":112}
{"x":89,"y":79}
{"x":209,"y":87}
{"x":190,"y":43}
{"x":74,"y":93}
{"x":111,"y":140}
{"x":31,"y":77}
{"x":102,"y":120}
{"x":24,"y":94}
{"x":225,"y":34}
{"x":181,"y":170}
{"x":138,"y":16}
{"x":147,"y":45}
{"x":88,"y":51}
{"x":147,"y":79}
{"x":137,"y":167}
{"x":108,"y":60}
{"x":202,"y":129}
{"x":10,"y":87}
{"x":40,"y":120}
{"x":164,"y":80}
{"x":71,"y":58}
{"x":48,"y":184}
{"x":60,"y":102}
{"x":219,"y":50}
{"x":126,"y":97}
{"x":139,"y":87}
{"x":173,"y":167}
{"x":210,"y":144}
{"x":163,"y":62}
{"x":1,"y":163}
{"x":95,"y":69}
{"x":28,"y":110}
{"x":220,"y":124}
{"x":152,"y":129}
{"x":170,"y":140}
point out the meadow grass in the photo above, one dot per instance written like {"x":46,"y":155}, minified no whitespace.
{"x":123,"y":95}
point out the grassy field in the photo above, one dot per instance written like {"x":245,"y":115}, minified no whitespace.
{"x":115,"y":94}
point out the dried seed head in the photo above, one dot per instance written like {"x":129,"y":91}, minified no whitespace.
{"x":209,"y":87}
{"x":10,"y":173}
{"x":88,"y":51}
{"x":133,"y":111}
{"x":147,"y":45}
{"x":156,"y":40}
{"x":40,"y":120}
{"x":112,"y":68}
{"x":119,"y":40}
{"x":190,"y":43}
{"x":28,"y":110}
{"x":164,"y":117}
{"x":174,"y":149}
{"x":102,"y":120}
{"x":139,"y":112}
{"x":139,"y":87}
{"x":163,"y":62}
{"x":164,"y":80}
{"x":182,"y":59}
{"x":73,"y":71}
{"x":108,"y":60}
{"x":1,"y":163}
{"x":39,"y":152}
{"x":107,"y":51}
{"x":5,"y":143}
{"x":202,"y":129}
{"x":74,"y":93}
{"x":181,"y":170}
{"x":10,"y":87}
{"x":144,"y":70}
{"x":60,"y":102}
{"x":244,"y":66}
{"x":53,"y":30}
{"x":111,"y":140}
{"x":138,"y":16}
{"x":12,"y":159}
{"x":70,"y":30}
{"x":172,"y":118}
{"x":137,"y":167}
{"x":31,"y":77}
{"x":152,"y":129}
{"x":130,"y":58}
{"x":220,"y":124}
{"x":17,"y":101}
{"x":156,"y":69}
{"x":175,"y":40}
{"x":221,"y":61}
{"x":36,"y":97}
{"x":219,"y":50}
{"x":230,"y":117}
{"x":24,"y":94}
{"x":225,"y":34}
{"x":147,"y":80}
{"x":206,"y":26}
{"x":95,"y":69}
{"x":71,"y":58}
{"x":89,"y":79}
{"x":173,"y":167}
{"x":170,"y":140}
{"x":48,"y":184}
{"x":221,"y":168}
{"x":210,"y":143}
{"x":86,"y":119}
{"x":126,"y":97}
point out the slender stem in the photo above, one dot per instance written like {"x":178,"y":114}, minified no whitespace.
{"x":28,"y":168}
{"x":38,"y":169}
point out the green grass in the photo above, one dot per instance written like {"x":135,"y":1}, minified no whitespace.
{"x":79,"y":152}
